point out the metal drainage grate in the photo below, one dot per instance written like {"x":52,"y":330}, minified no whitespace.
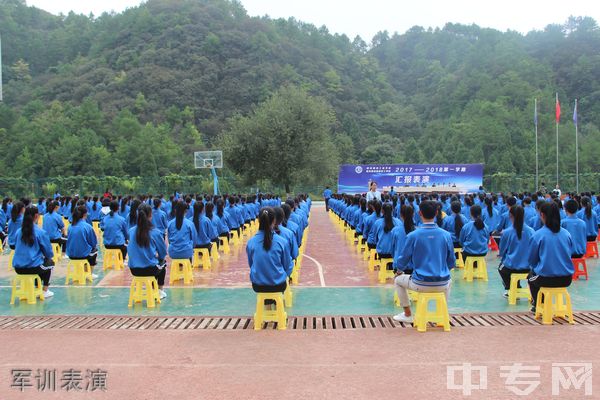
{"x":294,"y":323}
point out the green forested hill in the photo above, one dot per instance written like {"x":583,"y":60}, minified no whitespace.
{"x":136,"y":93}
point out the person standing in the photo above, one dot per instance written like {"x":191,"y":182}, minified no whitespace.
{"x":373,"y":194}
{"x":327,"y":195}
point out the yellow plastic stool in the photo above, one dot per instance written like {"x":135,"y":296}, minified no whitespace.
{"x":372,"y":260}
{"x":287,"y":297}
{"x":113,"y":258}
{"x":78,"y":271}
{"x":470,"y":272}
{"x":295,"y":273}
{"x":96,"y":227}
{"x":556,"y":303}
{"x":459,"y":259}
{"x":201,"y":259}
{"x":57,"y":250}
{"x":514,"y":292}
{"x":224,"y":242}
{"x":384,"y":273}
{"x":412,"y":295}
{"x":144,"y":288}
{"x":181,"y":269}
{"x":67,"y":223}
{"x":440,"y":316}
{"x":278,"y":315}
{"x":11,"y":255}
{"x":27,"y":287}
{"x":215,"y":252}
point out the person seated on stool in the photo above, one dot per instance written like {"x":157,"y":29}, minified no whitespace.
{"x":181,"y":234}
{"x":81,"y":240}
{"x":115,"y":230}
{"x":429,"y":251}
{"x":33,"y":251}
{"x":514,"y":247}
{"x":383,"y":234}
{"x":587,"y":215}
{"x":454,"y":223}
{"x":268,"y":257}
{"x":54,"y":225}
{"x":550,"y":254}
{"x":203,"y":228}
{"x":14,"y":223}
{"x":474,"y":236}
{"x":399,"y":234}
{"x":576,"y":227}
{"x":147,"y":249}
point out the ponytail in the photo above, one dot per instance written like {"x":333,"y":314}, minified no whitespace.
{"x":198,"y":207}
{"x":458,"y":222}
{"x":144,"y":225}
{"x":16,"y":211}
{"x":27,"y":235}
{"x":220,"y":207}
{"x":78,"y":214}
{"x":208,"y":210}
{"x":518,"y":215}
{"x":124,"y":202}
{"x":157,"y":203}
{"x":388,"y":224}
{"x":587,"y":204}
{"x":95,"y":205}
{"x":133,"y":217}
{"x":490,"y":209}
{"x":114,"y":207}
{"x":265,"y":220}
{"x":438,"y":216}
{"x":476,"y":214}
{"x":552,"y":216}
{"x":180,"y":214}
{"x":408,"y":213}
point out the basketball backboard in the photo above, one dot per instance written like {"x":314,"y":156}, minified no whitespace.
{"x":208,"y":159}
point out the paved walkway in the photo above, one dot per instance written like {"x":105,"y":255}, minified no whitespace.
{"x":361,"y":364}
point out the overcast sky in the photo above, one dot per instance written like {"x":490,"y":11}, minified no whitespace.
{"x":367,"y":17}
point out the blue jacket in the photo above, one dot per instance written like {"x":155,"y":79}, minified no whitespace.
{"x":81,"y":240}
{"x":473,"y":240}
{"x":449,"y":224}
{"x":230,"y":218}
{"x":53,"y":225}
{"x":369,"y":228}
{"x":514,"y":252}
{"x":2,"y":220}
{"x":294,"y":227}
{"x":535,"y":222}
{"x":115,"y":230}
{"x":591,"y":224}
{"x":142,"y":257}
{"x":291,"y":238}
{"x":32,"y":256}
{"x":577,"y":229}
{"x":13,"y":227}
{"x":94,"y":214}
{"x":268,"y":267}
{"x":181,"y":241}
{"x":550,"y":253}
{"x":159,"y":219}
{"x":327,"y":193}
{"x":491,"y":221}
{"x":220,"y":224}
{"x":205,"y":233}
{"x":430,"y":252}
{"x":384,"y":241}
{"x":399,"y":240}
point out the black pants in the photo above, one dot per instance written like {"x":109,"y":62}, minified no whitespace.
{"x":326,"y":204}
{"x":204,"y":246}
{"x":371,"y":246}
{"x":224,"y":236}
{"x":62,"y":242}
{"x":43,"y":273}
{"x":269,"y":289}
{"x":91,"y":258}
{"x":121,"y":247}
{"x":505,"y":273}
{"x":155,"y":271}
{"x":536,"y":282}
{"x":591,"y":238}
{"x":577,"y":255}
{"x":457,"y":245}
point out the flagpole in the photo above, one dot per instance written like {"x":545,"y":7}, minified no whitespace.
{"x":557,"y":142}
{"x":537,"y":165}
{"x":576,"y":150}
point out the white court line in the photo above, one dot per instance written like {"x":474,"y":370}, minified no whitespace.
{"x":320,"y":268}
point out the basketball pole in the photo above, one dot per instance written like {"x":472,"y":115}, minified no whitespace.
{"x":215,"y":181}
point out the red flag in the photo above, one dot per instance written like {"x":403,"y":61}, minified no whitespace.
{"x":557,"y":110}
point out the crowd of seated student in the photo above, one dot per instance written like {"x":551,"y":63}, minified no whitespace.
{"x":140,"y":227}
{"x":521,"y":223}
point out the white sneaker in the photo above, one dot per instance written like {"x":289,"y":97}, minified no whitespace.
{"x":403,"y":318}
{"x":48,"y":293}
{"x":162,"y":294}
{"x":94,"y":276}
